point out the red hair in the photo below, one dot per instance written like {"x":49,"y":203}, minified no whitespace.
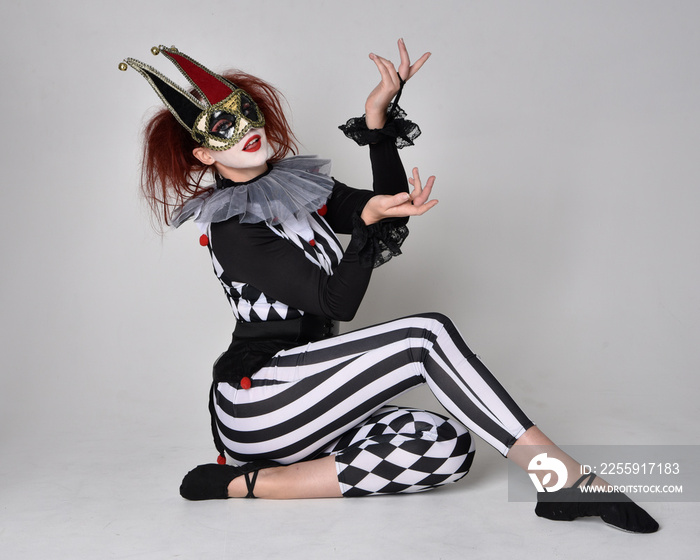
{"x":170,"y":174}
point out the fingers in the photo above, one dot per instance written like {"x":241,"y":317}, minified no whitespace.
{"x":399,"y":205}
{"x":418,"y":202}
{"x":422,"y":209}
{"x":406,"y":69}
{"x":417,"y":65}
{"x":424,"y":195}
{"x":405,"y":65}
{"x":397,"y":200}
{"x":415,"y":182}
{"x":387,"y":70}
{"x":420,"y":194}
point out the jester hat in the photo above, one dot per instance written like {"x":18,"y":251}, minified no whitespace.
{"x":224,"y":114}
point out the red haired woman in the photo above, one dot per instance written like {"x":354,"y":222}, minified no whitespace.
{"x":300,"y":410}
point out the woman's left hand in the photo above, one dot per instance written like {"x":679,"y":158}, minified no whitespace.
{"x":380,"y":97}
{"x":400,"y":205}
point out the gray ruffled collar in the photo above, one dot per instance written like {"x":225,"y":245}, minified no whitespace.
{"x":291,"y":190}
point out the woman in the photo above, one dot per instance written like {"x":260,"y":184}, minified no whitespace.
{"x":301,"y":410}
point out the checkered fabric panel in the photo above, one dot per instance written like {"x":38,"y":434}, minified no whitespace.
{"x":402,"y":450}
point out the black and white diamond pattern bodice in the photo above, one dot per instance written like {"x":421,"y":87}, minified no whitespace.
{"x":310,"y":236}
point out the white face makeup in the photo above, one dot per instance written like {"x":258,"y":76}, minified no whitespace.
{"x":245,"y":160}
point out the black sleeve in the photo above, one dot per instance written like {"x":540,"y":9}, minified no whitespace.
{"x":388,"y":173}
{"x":388,"y":177}
{"x":254,"y":254}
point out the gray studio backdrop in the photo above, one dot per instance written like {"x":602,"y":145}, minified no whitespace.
{"x":564,"y":138}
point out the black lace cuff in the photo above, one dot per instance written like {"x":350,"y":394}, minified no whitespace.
{"x":397,"y":126}
{"x":378,"y":243}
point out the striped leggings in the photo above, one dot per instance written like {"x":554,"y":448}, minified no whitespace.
{"x":329,"y":397}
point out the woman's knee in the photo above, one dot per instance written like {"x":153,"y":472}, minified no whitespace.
{"x":440,"y":318}
{"x":447,"y":443}
{"x":419,"y":450}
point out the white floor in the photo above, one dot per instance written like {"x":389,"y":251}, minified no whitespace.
{"x":88,"y":493}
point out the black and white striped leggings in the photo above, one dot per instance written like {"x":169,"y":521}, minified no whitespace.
{"x":329,"y":397}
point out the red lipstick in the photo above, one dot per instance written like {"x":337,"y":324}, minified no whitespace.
{"x":253,"y":145}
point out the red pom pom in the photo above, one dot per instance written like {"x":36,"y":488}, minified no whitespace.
{"x":221,"y":460}
{"x":312,"y":243}
{"x":245,"y":383}
{"x":204,"y":240}
{"x":322,"y":211}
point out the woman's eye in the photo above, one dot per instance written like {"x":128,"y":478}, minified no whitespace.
{"x":248,"y":109}
{"x":221,"y":126}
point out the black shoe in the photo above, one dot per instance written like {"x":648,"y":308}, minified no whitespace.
{"x":614,"y":508}
{"x":210,"y":482}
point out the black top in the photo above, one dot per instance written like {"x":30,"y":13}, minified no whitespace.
{"x":288,"y":288}
{"x":255,"y":255}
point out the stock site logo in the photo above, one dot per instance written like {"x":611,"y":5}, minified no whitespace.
{"x":543,"y":463}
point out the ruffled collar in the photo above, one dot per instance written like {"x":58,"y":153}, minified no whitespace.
{"x":289,"y":190}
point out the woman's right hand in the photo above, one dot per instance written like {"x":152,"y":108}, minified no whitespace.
{"x":400,"y":205}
